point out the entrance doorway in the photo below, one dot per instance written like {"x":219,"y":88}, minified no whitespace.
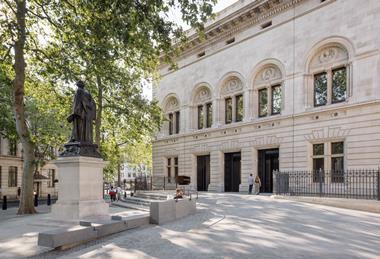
{"x":203,"y":172}
{"x":268,"y":162}
{"x":232,"y":172}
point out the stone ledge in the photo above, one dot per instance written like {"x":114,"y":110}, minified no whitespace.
{"x":166,"y":211}
{"x":353,"y":204}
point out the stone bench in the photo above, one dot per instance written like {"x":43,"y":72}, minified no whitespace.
{"x":170,"y":210}
{"x":88,"y":230}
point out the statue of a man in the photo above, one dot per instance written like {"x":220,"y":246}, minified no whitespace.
{"x":83,"y":116}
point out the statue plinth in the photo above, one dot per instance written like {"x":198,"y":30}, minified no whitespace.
{"x":80,"y":192}
{"x":80,"y":149}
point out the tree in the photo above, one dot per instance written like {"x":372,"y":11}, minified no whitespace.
{"x":73,"y":38}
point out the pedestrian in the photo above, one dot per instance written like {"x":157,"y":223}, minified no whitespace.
{"x":250,"y":183}
{"x":112,"y":194}
{"x":257,"y":185}
{"x":118,"y":192}
{"x":18,"y":193}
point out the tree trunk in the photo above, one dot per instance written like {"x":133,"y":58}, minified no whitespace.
{"x":26,"y":199}
{"x":98,"y":121}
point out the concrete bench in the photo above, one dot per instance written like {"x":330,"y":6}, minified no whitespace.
{"x":88,"y":230}
{"x":170,"y":210}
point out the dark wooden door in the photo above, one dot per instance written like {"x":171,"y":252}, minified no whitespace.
{"x":203,"y":172}
{"x":232,"y":172}
{"x":268,"y":162}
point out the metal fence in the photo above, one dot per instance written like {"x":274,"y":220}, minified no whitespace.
{"x":354,"y":184}
{"x":150,"y":183}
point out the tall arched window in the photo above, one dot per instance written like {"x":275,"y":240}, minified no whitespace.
{"x":268,"y":85}
{"x":232,"y":94}
{"x":172,"y":113}
{"x":329,"y":73}
{"x":203,"y":107}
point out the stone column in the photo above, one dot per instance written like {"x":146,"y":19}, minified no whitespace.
{"x":246,"y":168}
{"x":80,"y":192}
{"x":216,"y":172}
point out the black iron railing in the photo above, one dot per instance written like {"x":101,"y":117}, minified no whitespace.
{"x":355,"y":184}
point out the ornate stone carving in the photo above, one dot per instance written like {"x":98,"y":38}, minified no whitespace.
{"x":327,"y":133}
{"x":328,"y":55}
{"x":172,"y":104}
{"x":232,"y":85}
{"x":202,"y":95}
{"x":267,"y":74}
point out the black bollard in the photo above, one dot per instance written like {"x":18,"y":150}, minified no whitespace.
{"x":36,"y":200}
{"x":49,"y":200}
{"x":5,"y":203}
{"x":125,"y":194}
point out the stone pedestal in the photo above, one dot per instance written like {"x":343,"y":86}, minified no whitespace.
{"x":80,"y":192}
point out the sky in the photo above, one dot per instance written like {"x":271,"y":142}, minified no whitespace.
{"x":176,"y":16}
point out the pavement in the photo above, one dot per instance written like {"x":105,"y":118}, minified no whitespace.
{"x":233,"y":226}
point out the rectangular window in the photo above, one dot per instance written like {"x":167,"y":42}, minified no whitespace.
{"x":337,"y":162}
{"x":12,"y":147}
{"x":209,"y":115}
{"x":51,"y":176}
{"x":318,"y":162}
{"x":339,"y":85}
{"x":0,"y":177}
{"x":12,"y":176}
{"x":170,"y":123}
{"x":177,"y":120}
{"x":239,"y":108}
{"x":169,"y":167}
{"x":276,"y":99}
{"x":320,"y":89}
{"x":228,"y":110}
{"x":263,"y":102}
{"x":200,"y":117}
{"x":175,"y":166}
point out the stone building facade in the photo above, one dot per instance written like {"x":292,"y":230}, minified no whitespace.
{"x":277,"y":84}
{"x":11,"y":168}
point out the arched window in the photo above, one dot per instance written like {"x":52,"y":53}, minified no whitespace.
{"x":232,"y":94}
{"x":329,"y":73}
{"x":173,"y":115}
{"x":203,"y":107}
{"x":268,"y":85}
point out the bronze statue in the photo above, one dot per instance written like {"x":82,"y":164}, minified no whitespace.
{"x":83,"y":117}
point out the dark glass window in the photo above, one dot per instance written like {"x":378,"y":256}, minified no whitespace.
{"x":51,"y":177}
{"x":239,"y":108}
{"x":318,"y":169}
{"x":320,"y":89}
{"x":12,"y":147}
{"x":0,"y":177}
{"x":209,"y":115}
{"x":177,"y":120}
{"x":228,"y":110}
{"x":175,"y":166}
{"x":318,"y":149}
{"x":276,"y":99}
{"x":200,"y":116}
{"x":12,"y":176}
{"x":339,"y":85}
{"x":169,"y":166}
{"x":337,"y":162}
{"x":337,"y":148}
{"x":170,"y":123}
{"x":263,"y":102}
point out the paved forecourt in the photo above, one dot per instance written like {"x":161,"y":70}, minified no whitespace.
{"x":242,"y":226}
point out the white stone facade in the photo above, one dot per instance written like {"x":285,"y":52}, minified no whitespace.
{"x":285,"y":42}
{"x":43,"y":185}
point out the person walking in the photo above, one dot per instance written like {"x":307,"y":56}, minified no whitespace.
{"x":257,"y":185}
{"x":250,"y":183}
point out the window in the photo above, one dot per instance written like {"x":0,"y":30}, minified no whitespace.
{"x":177,"y":120}
{"x":276,"y":99}
{"x":320,"y":89}
{"x":239,"y":108}
{"x":171,"y":123}
{"x":266,"y":25}
{"x":171,"y":168}
{"x":51,"y":176}
{"x":329,"y":72}
{"x":228,"y":109}
{"x":200,"y":117}
{"x":0,"y":177}
{"x":232,"y":40}
{"x":318,"y":162}
{"x":339,"y":85}
{"x":12,"y":176}
{"x":263,"y":102}
{"x":208,"y":115}
{"x":12,"y":147}
{"x":337,"y":157}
